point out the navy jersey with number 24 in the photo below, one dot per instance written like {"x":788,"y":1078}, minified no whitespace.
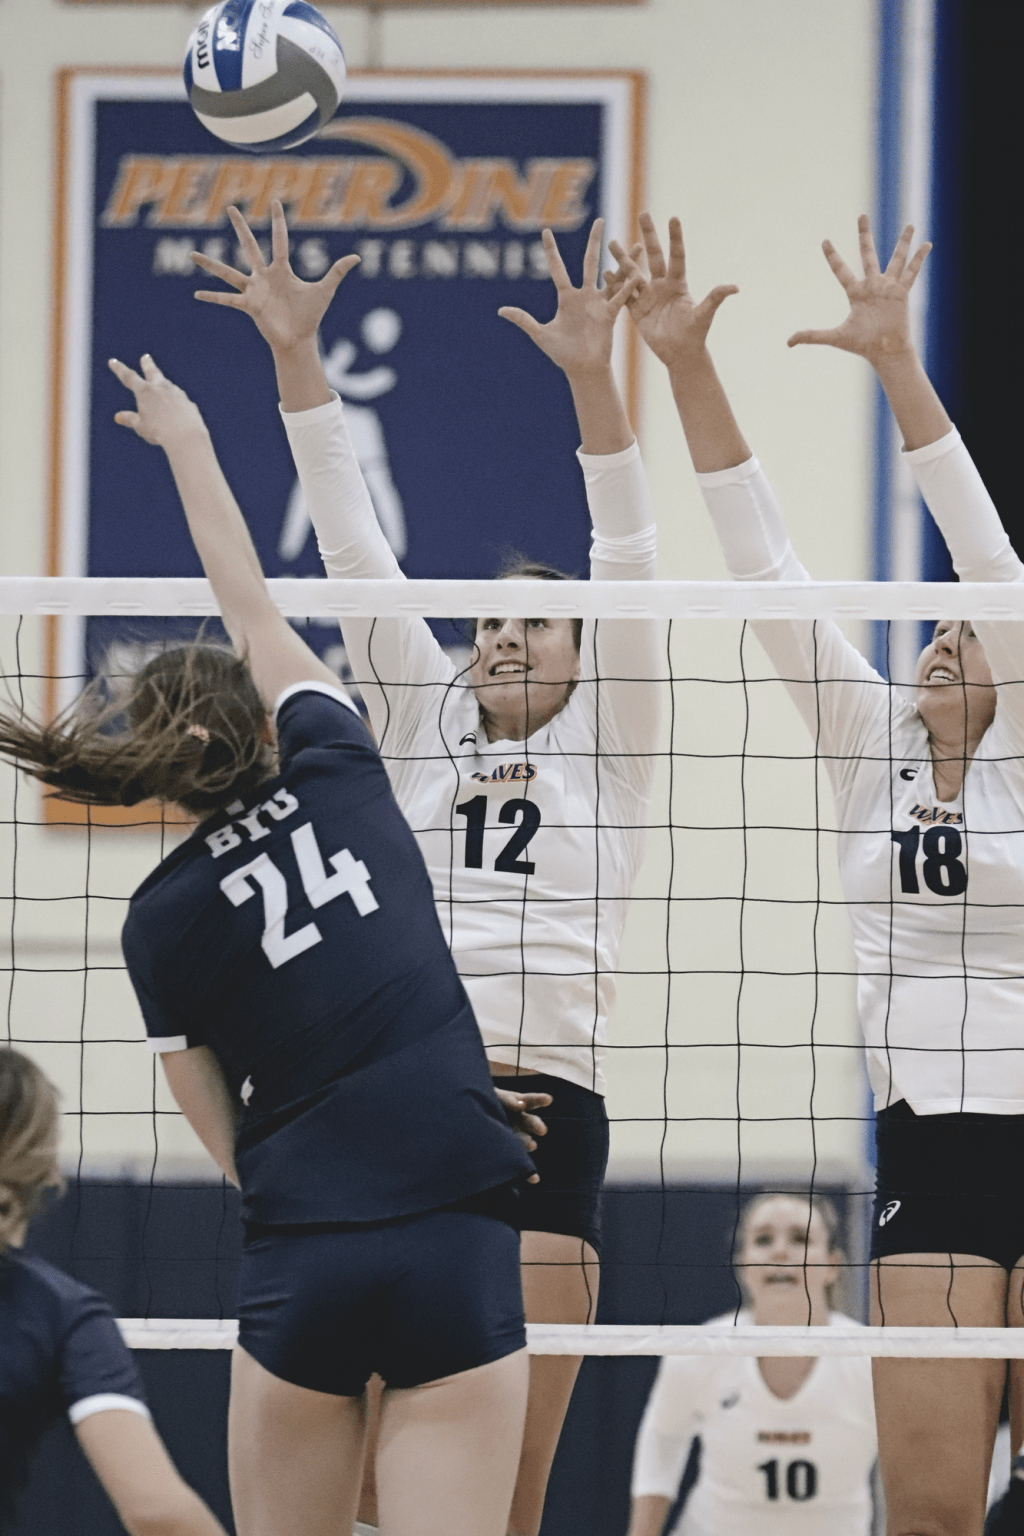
{"x":296,"y":936}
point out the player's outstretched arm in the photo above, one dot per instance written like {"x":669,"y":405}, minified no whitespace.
{"x":878,"y":328}
{"x":579,"y":341}
{"x":165,"y":416}
{"x":140,"y":1479}
{"x":285,"y":310}
{"x":675,"y":327}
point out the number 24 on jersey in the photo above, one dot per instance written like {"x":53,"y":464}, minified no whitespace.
{"x":350,"y":878}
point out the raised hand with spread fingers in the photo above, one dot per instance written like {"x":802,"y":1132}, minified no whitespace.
{"x":878,"y":325}
{"x":669,"y":319}
{"x":878,"y":328}
{"x":579,"y":341}
{"x":166,"y":417}
{"x":675,"y":328}
{"x":285,"y":309}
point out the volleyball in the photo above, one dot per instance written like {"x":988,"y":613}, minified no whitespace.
{"x":264,"y":74}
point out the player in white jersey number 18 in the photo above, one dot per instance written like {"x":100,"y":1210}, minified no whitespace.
{"x":930,"y":805}
{"x":785,"y":1445}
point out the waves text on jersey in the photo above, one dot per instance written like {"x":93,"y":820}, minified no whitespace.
{"x":508,"y":773}
{"x":936,"y":814}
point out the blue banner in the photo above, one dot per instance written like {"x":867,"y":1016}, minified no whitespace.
{"x":442,"y":185}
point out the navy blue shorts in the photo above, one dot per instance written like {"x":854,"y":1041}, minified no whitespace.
{"x":949,"y":1184}
{"x":571,"y":1159}
{"x":413,"y":1299}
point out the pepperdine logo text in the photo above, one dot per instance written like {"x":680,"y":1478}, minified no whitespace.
{"x":342,"y":191}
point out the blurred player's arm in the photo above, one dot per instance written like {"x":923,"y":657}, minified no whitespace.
{"x":663,"y":1445}
{"x":140,"y":1479}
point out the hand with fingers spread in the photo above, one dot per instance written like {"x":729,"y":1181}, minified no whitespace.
{"x":878,"y":329}
{"x":163,"y":413}
{"x":579,"y":338}
{"x":675,"y":328}
{"x":671,"y":322}
{"x":878,"y":325}
{"x":286,"y":310}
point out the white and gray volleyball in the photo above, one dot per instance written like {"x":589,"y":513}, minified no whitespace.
{"x":264,"y":74}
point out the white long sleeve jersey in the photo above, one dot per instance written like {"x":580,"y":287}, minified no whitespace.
{"x":532,"y":846}
{"x":797,"y":1466}
{"x":935,"y":890}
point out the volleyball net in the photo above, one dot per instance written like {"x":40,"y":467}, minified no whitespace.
{"x":734,"y":1061}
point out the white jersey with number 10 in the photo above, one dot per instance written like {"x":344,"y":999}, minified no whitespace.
{"x":797,"y":1466}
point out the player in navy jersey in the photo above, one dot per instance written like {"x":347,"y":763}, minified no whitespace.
{"x":929,"y":799}
{"x":294,"y":978}
{"x":60,"y":1349}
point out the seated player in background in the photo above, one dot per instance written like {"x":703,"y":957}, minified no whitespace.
{"x":527,"y":777}
{"x":293,"y":976}
{"x":60,"y":1349}
{"x":786,"y":1445}
{"x":929,"y":798}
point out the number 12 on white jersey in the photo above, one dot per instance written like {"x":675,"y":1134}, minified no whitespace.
{"x":351,"y":878}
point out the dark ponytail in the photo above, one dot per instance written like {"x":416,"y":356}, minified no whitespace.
{"x":188,"y":728}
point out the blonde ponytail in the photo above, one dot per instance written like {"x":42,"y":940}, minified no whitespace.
{"x":28,"y":1142}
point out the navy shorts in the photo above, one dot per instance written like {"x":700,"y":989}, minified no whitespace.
{"x":949,"y":1184}
{"x":413,"y":1299}
{"x":571,"y":1159}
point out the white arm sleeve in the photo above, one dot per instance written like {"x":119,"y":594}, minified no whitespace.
{"x":666,"y":1430}
{"x":623,"y":653}
{"x":391,"y":659}
{"x":955,"y":494}
{"x":749,"y":523}
{"x":981,"y":551}
{"x":856,"y":701}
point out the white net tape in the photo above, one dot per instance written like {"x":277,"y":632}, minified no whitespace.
{"x":186,"y":597}
{"x":617,"y":1339}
